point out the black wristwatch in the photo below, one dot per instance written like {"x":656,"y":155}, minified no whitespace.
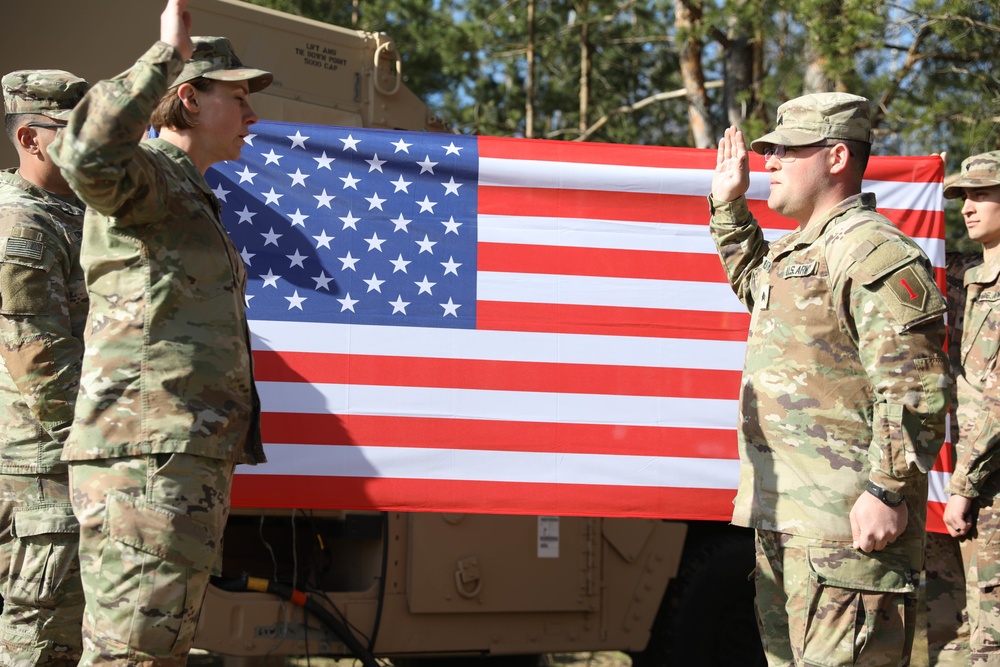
{"x":890,"y":498}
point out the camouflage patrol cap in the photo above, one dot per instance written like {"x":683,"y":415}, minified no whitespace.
{"x":214,"y":58}
{"x":49,"y":92}
{"x":812,"y":118}
{"x":978,"y":171}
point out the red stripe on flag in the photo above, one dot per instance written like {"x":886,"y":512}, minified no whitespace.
{"x":596,"y":153}
{"x":609,"y":205}
{"x":592,"y":204}
{"x":906,"y":169}
{"x":573,"y":261}
{"x":414,"y":495}
{"x":935,"y":517}
{"x":472,"y":434}
{"x":915,"y":223}
{"x":495,"y":375}
{"x":612,"y":321}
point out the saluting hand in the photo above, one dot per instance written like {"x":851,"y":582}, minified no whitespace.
{"x":175,"y":27}
{"x":732,"y":167}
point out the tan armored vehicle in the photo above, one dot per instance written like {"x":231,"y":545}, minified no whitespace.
{"x":413,"y":586}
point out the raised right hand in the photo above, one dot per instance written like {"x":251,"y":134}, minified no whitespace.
{"x":732,"y":167}
{"x":175,"y":27}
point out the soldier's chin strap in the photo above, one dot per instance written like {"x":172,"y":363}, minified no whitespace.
{"x":299,"y":598}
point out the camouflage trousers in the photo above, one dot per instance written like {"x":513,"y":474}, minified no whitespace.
{"x":827,"y":604}
{"x":947,"y":626}
{"x":39,"y":572}
{"x":150,"y":537}
{"x":981,"y":554}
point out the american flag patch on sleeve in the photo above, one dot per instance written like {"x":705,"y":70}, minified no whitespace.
{"x":18,"y":247}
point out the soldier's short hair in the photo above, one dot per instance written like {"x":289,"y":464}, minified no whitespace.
{"x":860,"y":152}
{"x":13,"y":121}
{"x":170,"y":112}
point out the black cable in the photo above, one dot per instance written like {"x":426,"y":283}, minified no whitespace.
{"x":381,"y":581}
{"x":296,"y":597}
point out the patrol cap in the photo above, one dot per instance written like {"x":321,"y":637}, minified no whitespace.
{"x":214,"y":58}
{"x":49,"y":92}
{"x":812,"y":118}
{"x":978,"y":171}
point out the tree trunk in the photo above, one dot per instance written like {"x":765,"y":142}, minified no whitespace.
{"x":529,"y":83}
{"x":581,"y":13}
{"x":688,"y":15}
{"x":815,"y":78}
{"x":739,"y":94}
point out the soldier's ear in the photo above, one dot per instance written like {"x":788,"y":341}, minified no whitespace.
{"x":188,"y":95}
{"x":25,"y":138}
{"x":838,"y":157}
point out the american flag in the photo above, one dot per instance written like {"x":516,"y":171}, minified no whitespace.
{"x":481,"y":324}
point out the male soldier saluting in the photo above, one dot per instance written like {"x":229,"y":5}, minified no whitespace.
{"x":845,"y":391}
{"x":43,"y":309}
{"x":972,"y":512}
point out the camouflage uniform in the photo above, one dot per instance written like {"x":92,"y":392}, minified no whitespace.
{"x":846,"y":330}
{"x":43,"y":308}
{"x":167,"y":403}
{"x":947,"y":622}
{"x":978,"y":452}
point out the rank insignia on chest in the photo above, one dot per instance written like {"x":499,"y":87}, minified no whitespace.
{"x":763,"y":296}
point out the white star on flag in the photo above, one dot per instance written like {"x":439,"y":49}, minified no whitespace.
{"x":298,"y":140}
{"x":323,"y":162}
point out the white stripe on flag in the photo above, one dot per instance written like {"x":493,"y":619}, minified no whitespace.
{"x":502,"y":172}
{"x":497,"y":466}
{"x":604,"y":291}
{"x":490,"y":405}
{"x":601,"y":234}
{"x":937,"y":482}
{"x":431,"y":343}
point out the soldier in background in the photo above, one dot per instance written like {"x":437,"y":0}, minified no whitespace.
{"x":947,"y":621}
{"x":845,"y":391}
{"x":972,"y":512}
{"x":43,"y":309}
{"x":167,"y":404}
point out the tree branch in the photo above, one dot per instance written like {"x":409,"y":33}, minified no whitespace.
{"x":629,"y":108}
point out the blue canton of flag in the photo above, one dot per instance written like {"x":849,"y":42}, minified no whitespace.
{"x":354,"y":226}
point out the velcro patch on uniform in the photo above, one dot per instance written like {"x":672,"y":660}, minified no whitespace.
{"x":800,"y":270}
{"x":863,"y":249}
{"x":990,"y":295}
{"x":766,"y":264}
{"x":886,"y":257}
{"x":26,"y":248}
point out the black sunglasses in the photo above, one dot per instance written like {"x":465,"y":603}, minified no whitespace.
{"x":57,"y":126}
